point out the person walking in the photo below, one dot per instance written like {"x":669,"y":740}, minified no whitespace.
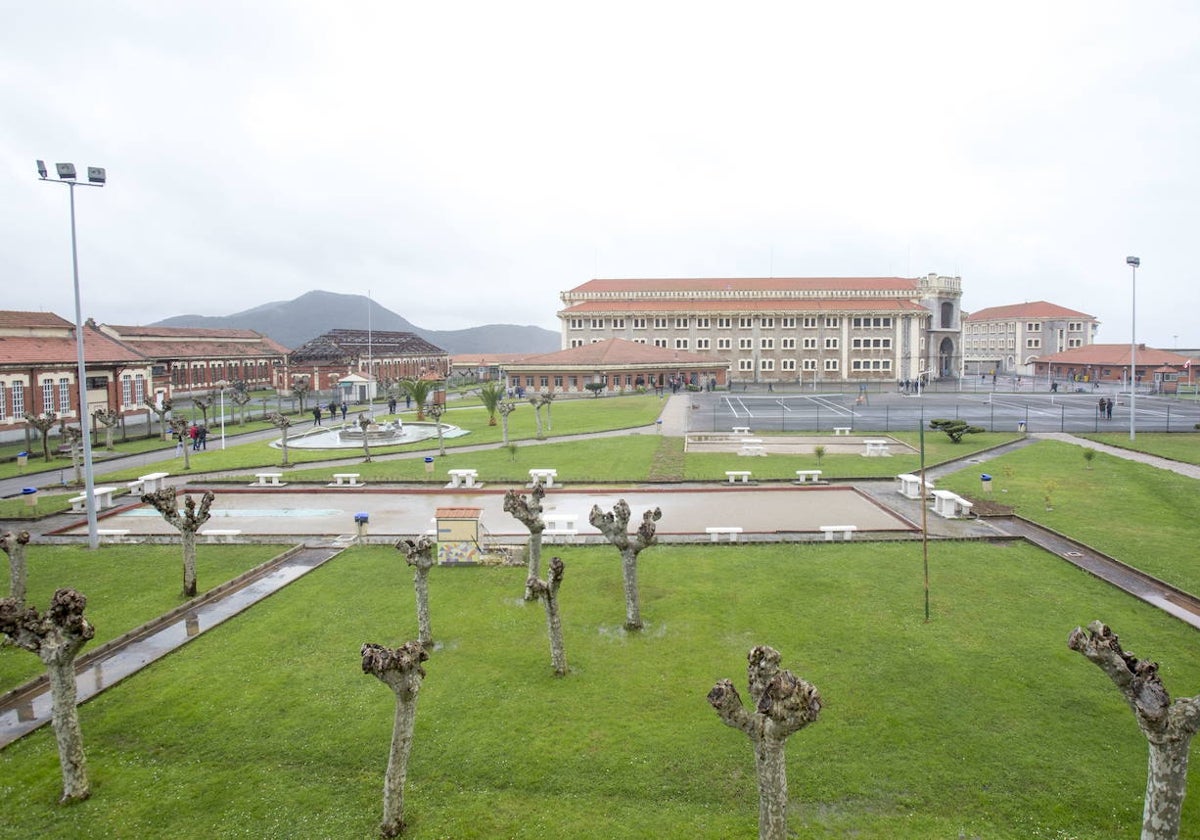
{"x":194,"y":436}
{"x":316,"y":415}
{"x":1108,"y":410}
{"x":343,"y":411}
{"x":1103,"y":408}
{"x":202,"y":437}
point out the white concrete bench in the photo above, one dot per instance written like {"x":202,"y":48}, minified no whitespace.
{"x":909,"y":486}
{"x":950,"y":505}
{"x":542,"y":476}
{"x":715,"y":531}
{"x":738,"y":475}
{"x":346,"y":480}
{"x":876,"y":447}
{"x":841,"y":431}
{"x":220,"y":534}
{"x":560,"y":525}
{"x":112,"y":534}
{"x":741,"y":430}
{"x":153,"y":482}
{"x":753,"y":449}
{"x":808,"y":476}
{"x":102,"y":495}
{"x":462,"y":478}
{"x":846,"y":531}
{"x":267,"y":479}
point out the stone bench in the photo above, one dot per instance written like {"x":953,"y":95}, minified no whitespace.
{"x":113,"y":534}
{"x":909,"y":486}
{"x":846,"y":531}
{"x":463,"y":478}
{"x":715,"y":531}
{"x":950,"y":505}
{"x":738,"y":475}
{"x":841,"y":431}
{"x":560,"y":525}
{"x":346,"y":480}
{"x":876,"y":447}
{"x":753,"y":449}
{"x":545,"y":477}
{"x":220,"y":534}
{"x":267,"y":479}
{"x":741,"y":430}
{"x":102,"y":495}
{"x":808,"y":476}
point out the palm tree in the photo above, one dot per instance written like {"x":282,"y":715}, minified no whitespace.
{"x":490,"y":395}
{"x":418,"y":390}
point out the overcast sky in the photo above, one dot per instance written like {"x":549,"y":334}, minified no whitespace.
{"x":463,"y":163}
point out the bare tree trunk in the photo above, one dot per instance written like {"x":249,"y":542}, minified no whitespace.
{"x":400,"y":668}
{"x":615,"y":528}
{"x":43,"y":423}
{"x":547,"y":399}
{"x":436,"y":411}
{"x":14,"y":546}
{"x":783,"y":704}
{"x":1168,"y":726}
{"x":528,"y":511}
{"x":363,"y":423}
{"x":505,"y":409}
{"x":74,"y":440}
{"x":56,"y":637}
{"x":282,"y":423}
{"x":107,"y":418}
{"x":536,"y":402}
{"x":240,"y":398}
{"x":419,"y":555}
{"x":179,"y":428}
{"x":548,"y":592}
{"x":187,"y":523}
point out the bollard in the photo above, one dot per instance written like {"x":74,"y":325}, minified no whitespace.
{"x":986,"y":480}
{"x":31,"y":496}
{"x":360,"y":522}
{"x":429,"y":465}
{"x":22,"y":459}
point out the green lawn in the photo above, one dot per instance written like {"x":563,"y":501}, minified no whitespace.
{"x":978,"y":724}
{"x":126,"y":585}
{"x":1141,"y":515}
{"x":1178,"y":447}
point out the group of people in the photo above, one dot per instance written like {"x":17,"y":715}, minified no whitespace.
{"x":198,"y":434}
{"x":1105,"y":408}
{"x":334,"y":407}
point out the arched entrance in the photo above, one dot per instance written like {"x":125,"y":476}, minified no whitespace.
{"x":946,"y":366}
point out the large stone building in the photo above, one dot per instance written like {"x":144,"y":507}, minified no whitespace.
{"x":798,"y":329}
{"x":1010,"y":339}
{"x":364,"y":359}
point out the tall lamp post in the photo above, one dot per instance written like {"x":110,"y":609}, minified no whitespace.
{"x":96,"y":178}
{"x":1133,"y":263}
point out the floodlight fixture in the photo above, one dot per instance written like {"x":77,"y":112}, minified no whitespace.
{"x":42,"y":173}
{"x":1133,"y":261}
{"x":96,"y":174}
{"x":66,"y":171}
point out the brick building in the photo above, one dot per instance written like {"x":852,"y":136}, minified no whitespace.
{"x":797,"y":329}
{"x":1157,"y":370}
{"x":1009,"y":339}
{"x":617,"y":364}
{"x":378,"y":357}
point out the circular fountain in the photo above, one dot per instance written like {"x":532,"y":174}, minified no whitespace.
{"x":350,"y":435}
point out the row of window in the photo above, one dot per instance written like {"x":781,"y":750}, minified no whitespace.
{"x":1011,"y":327}
{"x":809,"y":343}
{"x":743,"y":323}
{"x":830,"y":365}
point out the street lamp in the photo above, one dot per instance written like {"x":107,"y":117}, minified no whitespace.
{"x":96,"y":178}
{"x":1133,"y":263}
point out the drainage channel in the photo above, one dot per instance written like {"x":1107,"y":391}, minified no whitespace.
{"x":27,"y":708}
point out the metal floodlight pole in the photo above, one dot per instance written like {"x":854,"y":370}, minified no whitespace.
{"x":1133,"y":263}
{"x":96,"y":178}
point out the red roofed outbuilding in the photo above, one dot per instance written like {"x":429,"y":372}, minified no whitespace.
{"x":618,"y":366}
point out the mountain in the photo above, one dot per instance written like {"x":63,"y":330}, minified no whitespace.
{"x":294,"y":322}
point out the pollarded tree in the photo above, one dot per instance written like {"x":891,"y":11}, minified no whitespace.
{"x":108,"y":418}
{"x":300,"y":388}
{"x":204,"y":404}
{"x":14,"y":546}
{"x":436,"y":411}
{"x":57,"y":636}
{"x":161,"y":409}
{"x":400,"y":669}
{"x":187,"y":522}
{"x":364,"y":424}
{"x":505,"y":409}
{"x":782,"y":705}
{"x":72,"y":437}
{"x":955,"y":429}
{"x":43,"y":423}
{"x":491,"y":394}
{"x":418,"y":391}
{"x":1168,"y":726}
{"x":537,"y":402}
{"x":420,"y":555}
{"x":615,"y":527}
{"x":547,"y":591}
{"x":547,"y":399}
{"x":240,"y":397}
{"x":528,"y":511}
{"x":179,"y":428}
{"x":282,"y":423}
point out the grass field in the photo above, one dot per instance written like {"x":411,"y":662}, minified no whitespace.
{"x":1177,"y":447}
{"x":980,"y":723}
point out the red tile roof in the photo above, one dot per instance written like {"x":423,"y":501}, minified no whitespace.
{"x":780,"y":306}
{"x":196,"y":342}
{"x":1038,"y":309}
{"x":61,"y":349}
{"x":1114,"y":355}
{"x":617,"y":352}
{"x":482,"y":359}
{"x":716,"y":284}
{"x":11,"y":319}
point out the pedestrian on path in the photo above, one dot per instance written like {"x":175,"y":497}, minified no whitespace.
{"x":316,"y":412}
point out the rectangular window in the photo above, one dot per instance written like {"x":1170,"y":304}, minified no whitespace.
{"x":831,"y":364}
{"x":767,"y":344}
{"x":745,"y":364}
{"x":724,"y":343}
{"x":139,"y":388}
{"x":766,"y":364}
{"x":787,"y":344}
{"x":18,"y":395}
{"x":702,"y":344}
{"x":64,"y":396}
{"x":574,"y":382}
{"x":3,"y":400}
{"x":681,"y":344}
{"x":831,"y":344}
{"x":787,"y":364}
{"x":833,"y":322}
{"x":558,"y":382}
{"x":745,"y":343}
{"x":702,"y":323}
{"x":544,"y":381}
{"x":810,"y":323}
{"x":1075,"y":326}
{"x":787,"y":323}
{"x":1074,"y":342}
{"x":618,"y":323}
{"x":1033,"y":343}
{"x":575,"y":323}
{"x":809,"y":364}
{"x":681,"y":323}
{"x":47,"y":396}
{"x":597,"y":323}
{"x":745,"y":323}
{"x":576,"y":342}
{"x":639,"y":323}
{"x":660,"y":342}
{"x":639,"y":341}
{"x":660,"y":323}
{"x":768,"y":323}
{"x":126,"y":389}
{"x":724,"y":323}
{"x":1033,"y":326}
{"x":810,"y":343}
